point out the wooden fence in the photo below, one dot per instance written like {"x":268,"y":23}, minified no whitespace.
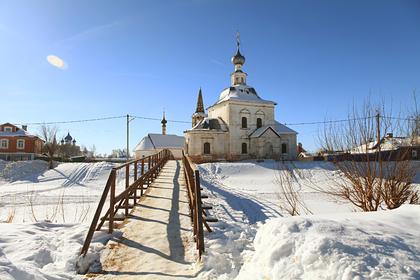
{"x":143,"y":172}
{"x":198,"y":216}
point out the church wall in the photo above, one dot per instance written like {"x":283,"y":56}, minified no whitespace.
{"x":271,"y":143}
{"x":194,"y":145}
{"x":238,"y":135}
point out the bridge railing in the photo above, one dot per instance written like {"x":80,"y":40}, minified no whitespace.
{"x":197,"y":213}
{"x":135,"y":176}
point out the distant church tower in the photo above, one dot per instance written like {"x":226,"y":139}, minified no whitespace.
{"x":199,"y":114}
{"x":163,"y":122}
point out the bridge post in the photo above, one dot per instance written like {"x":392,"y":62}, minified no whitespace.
{"x":135,"y":179}
{"x":199,"y":213}
{"x":112,"y":202}
{"x":127,"y":184}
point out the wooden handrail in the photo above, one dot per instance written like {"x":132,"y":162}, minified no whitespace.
{"x":192,"y":179}
{"x":155,"y":165}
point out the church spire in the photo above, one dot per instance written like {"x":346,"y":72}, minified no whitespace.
{"x":200,"y":106}
{"x":199,"y":114}
{"x":163,"y":122}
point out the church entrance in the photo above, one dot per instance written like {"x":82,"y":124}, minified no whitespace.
{"x":268,"y":150}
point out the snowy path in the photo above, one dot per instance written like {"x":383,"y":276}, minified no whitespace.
{"x":157,"y":241}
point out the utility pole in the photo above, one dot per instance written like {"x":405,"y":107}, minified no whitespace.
{"x":128,"y":138}
{"x":378,"y":140}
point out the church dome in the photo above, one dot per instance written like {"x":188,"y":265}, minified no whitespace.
{"x":241,"y":92}
{"x":238,"y":58}
{"x":68,"y":137}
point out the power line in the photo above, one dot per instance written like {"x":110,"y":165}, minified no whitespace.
{"x":180,"y":121}
{"x":352,"y":119}
{"x":73,"y":121}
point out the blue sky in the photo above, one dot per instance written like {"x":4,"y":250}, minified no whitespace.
{"x":314,"y":58}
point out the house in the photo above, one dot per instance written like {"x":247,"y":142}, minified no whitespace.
{"x":153,"y":143}
{"x":239,"y":125}
{"x":17,"y":144}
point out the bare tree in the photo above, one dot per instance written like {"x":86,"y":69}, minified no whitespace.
{"x":49,"y":136}
{"x":371,"y":178}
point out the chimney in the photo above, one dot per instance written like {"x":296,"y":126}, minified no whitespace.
{"x":25,"y":127}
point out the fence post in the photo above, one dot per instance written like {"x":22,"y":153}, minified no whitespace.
{"x":199,"y":210}
{"x":142,"y":172}
{"x":135,"y":179}
{"x":127,"y":184}
{"x":112,"y":202}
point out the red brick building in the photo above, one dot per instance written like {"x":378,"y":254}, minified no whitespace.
{"x":17,"y":144}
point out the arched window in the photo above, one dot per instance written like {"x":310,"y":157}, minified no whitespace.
{"x":259,"y":122}
{"x":244,"y":148}
{"x":244,"y":122}
{"x":284,"y":148}
{"x":207,"y":148}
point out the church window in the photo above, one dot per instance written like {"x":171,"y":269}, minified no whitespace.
{"x":284,"y":148}
{"x":244,"y":148}
{"x":259,"y":122}
{"x":244,"y":122}
{"x":207,"y":148}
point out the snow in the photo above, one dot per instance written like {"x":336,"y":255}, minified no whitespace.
{"x":48,"y":213}
{"x":44,"y":218}
{"x":246,"y":242}
{"x":242,"y":93}
{"x":156,"y":141}
{"x":68,"y":193}
{"x":375,"y":245}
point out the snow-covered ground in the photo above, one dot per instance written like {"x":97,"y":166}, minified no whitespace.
{"x":45,"y":214}
{"x":245,"y":199}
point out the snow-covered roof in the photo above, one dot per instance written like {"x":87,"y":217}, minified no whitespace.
{"x":157,"y":141}
{"x":211,"y":124}
{"x":277,"y":128}
{"x":387,"y":144}
{"x":19,"y":132}
{"x":243,"y":93}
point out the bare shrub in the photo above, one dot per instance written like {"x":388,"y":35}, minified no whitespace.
{"x":290,"y":199}
{"x":371,"y":178}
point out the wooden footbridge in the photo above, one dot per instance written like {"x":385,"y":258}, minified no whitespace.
{"x":158,"y":209}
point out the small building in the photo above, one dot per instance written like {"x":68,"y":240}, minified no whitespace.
{"x":17,"y":144}
{"x":153,"y":143}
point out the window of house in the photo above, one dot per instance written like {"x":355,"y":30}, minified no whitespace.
{"x":244,"y":122}
{"x":4,"y":143}
{"x":414,"y":154}
{"x":207,"y":148}
{"x":284,"y":148}
{"x":237,"y":80}
{"x":20,"y":144}
{"x":259,"y":122}
{"x":8,"y":129}
{"x":244,"y":148}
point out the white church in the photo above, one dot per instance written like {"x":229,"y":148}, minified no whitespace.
{"x":240,"y":125}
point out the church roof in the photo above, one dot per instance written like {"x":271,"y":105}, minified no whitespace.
{"x":157,"y":141}
{"x":242,"y":93}
{"x":211,"y":124}
{"x":278,"y":128}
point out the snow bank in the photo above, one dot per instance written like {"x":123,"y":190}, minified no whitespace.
{"x":376,"y":245}
{"x":44,"y":250}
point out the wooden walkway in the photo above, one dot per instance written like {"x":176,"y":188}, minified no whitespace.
{"x":157,"y":238}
